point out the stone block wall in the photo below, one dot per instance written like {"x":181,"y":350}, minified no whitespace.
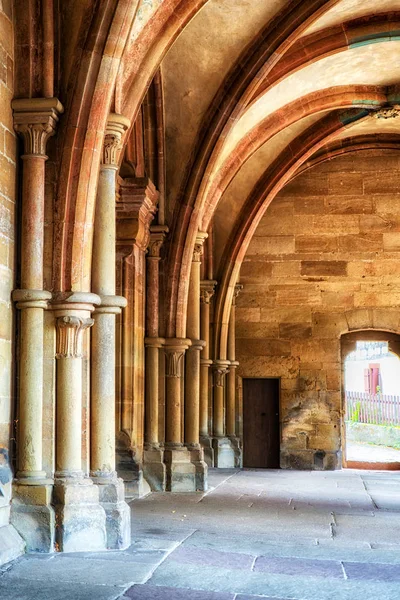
{"x":324,"y":261}
{"x":8,"y":145}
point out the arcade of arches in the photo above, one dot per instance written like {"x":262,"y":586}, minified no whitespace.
{"x":193,"y":193}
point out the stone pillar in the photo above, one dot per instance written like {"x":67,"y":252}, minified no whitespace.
{"x":207,"y":289}
{"x":153,"y":458}
{"x":35,"y":121}
{"x":136,"y":207}
{"x":180,"y":471}
{"x":81,"y":520}
{"x":224,"y":455}
{"x":231,"y":383}
{"x":192,"y":365}
{"x":102,"y":411}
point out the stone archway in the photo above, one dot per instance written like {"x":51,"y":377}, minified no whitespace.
{"x":348,"y":346}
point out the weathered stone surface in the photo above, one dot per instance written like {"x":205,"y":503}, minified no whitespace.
{"x":342,"y":275}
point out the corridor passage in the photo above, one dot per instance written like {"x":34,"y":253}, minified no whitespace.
{"x":272,"y":534}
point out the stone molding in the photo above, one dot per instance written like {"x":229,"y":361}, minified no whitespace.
{"x":220,"y":369}
{"x":175,"y":349}
{"x":158,"y":234}
{"x":207,"y":290}
{"x":197,"y":345}
{"x":111,"y":305}
{"x":116,"y":127}
{"x":35,"y":120}
{"x":198,"y":246}
{"x":154,"y":342}
{"x":70,"y":331}
{"x":136,"y":207}
{"x":31,"y":298}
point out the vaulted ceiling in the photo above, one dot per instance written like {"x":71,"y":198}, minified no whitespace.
{"x":257,"y":91}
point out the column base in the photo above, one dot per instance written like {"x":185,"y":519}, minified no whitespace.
{"x":206,"y":444}
{"x":237,"y":447}
{"x":224,"y":453}
{"x":197,"y":458}
{"x":81,"y":521}
{"x":33,"y":516}
{"x":154,"y":469}
{"x":180,"y":471}
{"x":131,"y":474}
{"x":118,"y":513}
{"x":11,"y":544}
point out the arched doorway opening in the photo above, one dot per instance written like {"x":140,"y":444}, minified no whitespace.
{"x":371,"y":400}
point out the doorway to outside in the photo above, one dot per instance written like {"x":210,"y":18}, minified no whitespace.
{"x":261,"y":423}
{"x":371,"y":401}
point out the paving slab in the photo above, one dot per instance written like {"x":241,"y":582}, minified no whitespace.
{"x":147,"y":592}
{"x":274,"y":535}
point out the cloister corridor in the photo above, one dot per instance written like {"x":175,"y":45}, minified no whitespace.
{"x":276,"y":534}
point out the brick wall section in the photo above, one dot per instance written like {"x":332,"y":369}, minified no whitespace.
{"x":324,"y":260}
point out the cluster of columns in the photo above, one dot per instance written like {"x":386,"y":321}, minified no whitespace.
{"x":72,"y":510}
{"x":78,"y":503}
{"x":200,"y":418}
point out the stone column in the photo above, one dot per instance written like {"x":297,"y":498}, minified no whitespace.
{"x":153,"y":458}
{"x":180,"y":471}
{"x":102,"y":410}
{"x":192,"y":365}
{"x":224,"y":456}
{"x":81,"y":520}
{"x":207,"y":289}
{"x":35,"y":121}
{"x":136,"y":207}
{"x":231,"y":382}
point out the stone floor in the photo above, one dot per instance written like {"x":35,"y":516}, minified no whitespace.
{"x":256,"y":534}
{"x":363,"y":452}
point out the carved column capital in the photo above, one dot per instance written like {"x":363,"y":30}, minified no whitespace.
{"x":237,"y":290}
{"x":116,"y":127}
{"x":207,"y":290}
{"x":198,"y":246}
{"x":70,"y":331}
{"x":157,"y":238}
{"x":35,"y":120}
{"x":220,"y":368}
{"x":175,"y":349}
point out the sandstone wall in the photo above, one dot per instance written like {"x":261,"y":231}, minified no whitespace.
{"x":7,"y":255}
{"x":324,"y":261}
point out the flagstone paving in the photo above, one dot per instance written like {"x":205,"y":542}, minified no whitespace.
{"x":271,"y":535}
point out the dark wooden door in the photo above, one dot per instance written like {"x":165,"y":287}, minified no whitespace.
{"x":261,"y":436}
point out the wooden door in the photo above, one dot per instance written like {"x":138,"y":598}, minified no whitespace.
{"x":261,"y":435}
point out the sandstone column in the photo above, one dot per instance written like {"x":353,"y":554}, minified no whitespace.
{"x":136,"y":207}
{"x":224,"y":456}
{"x":35,"y":120}
{"x":231,"y":382}
{"x":180,"y":471}
{"x":192,"y":364}
{"x":153,"y":458}
{"x":207,"y":289}
{"x":80,"y":517}
{"x":102,"y":413}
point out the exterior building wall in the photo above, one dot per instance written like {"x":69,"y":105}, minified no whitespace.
{"x":324,"y":261}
